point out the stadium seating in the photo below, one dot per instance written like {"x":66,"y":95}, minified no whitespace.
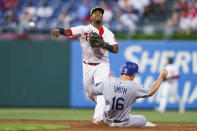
{"x":71,"y":7}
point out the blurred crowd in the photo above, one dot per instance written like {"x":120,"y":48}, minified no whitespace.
{"x":184,"y":15}
{"x":120,"y":15}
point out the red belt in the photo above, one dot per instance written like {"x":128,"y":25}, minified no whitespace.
{"x":92,"y":64}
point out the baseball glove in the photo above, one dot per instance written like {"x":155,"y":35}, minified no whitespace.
{"x":95,"y":40}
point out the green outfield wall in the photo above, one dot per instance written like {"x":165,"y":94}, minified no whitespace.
{"x":34,"y":73}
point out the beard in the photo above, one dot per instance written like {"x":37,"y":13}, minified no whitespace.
{"x":98,"y":21}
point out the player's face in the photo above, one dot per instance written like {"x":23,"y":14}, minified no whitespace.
{"x":97,"y":17}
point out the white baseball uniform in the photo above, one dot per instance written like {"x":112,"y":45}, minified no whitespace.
{"x":170,"y":89}
{"x":96,"y":67}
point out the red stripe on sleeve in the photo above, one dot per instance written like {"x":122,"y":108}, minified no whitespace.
{"x":70,"y":32}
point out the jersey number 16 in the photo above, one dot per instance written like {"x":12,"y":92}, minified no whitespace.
{"x":116,"y":103}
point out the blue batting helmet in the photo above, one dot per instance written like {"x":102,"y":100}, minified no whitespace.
{"x":129,"y":68}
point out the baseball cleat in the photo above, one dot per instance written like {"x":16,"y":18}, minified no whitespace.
{"x":150,"y":124}
{"x":95,"y":122}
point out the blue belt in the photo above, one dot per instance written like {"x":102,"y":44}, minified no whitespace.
{"x":117,"y":121}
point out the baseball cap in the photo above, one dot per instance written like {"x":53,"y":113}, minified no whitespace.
{"x":95,"y":9}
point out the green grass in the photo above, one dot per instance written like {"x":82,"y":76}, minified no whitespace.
{"x":29,"y":127}
{"x":87,"y":114}
{"x":171,"y":116}
{"x":45,"y":114}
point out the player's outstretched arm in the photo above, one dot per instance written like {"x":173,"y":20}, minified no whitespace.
{"x":56,"y":32}
{"x":155,"y":86}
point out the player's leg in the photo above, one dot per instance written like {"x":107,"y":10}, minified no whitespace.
{"x":98,"y":113}
{"x":176,"y":97}
{"x":101,"y":73}
{"x":164,"y":98}
{"x":87,"y":78}
{"x":136,"y":121}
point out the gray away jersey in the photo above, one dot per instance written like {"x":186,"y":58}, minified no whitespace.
{"x":119,"y":98}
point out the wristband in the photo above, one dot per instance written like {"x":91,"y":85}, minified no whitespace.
{"x":62,"y":31}
{"x":109,"y":47}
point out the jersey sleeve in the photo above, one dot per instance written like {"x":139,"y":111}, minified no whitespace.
{"x":141,"y":91}
{"x":97,"y":88}
{"x":112,"y":39}
{"x":78,"y":30}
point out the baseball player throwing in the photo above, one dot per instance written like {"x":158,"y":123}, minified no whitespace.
{"x":120,"y":95}
{"x":96,"y":40}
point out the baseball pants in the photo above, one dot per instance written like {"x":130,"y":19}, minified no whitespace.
{"x":92,"y":75}
{"x":134,"y":121}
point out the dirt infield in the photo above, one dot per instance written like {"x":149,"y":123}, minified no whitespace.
{"x":84,"y":126}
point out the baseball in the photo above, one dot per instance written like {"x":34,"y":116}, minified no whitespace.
{"x":31,"y":24}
